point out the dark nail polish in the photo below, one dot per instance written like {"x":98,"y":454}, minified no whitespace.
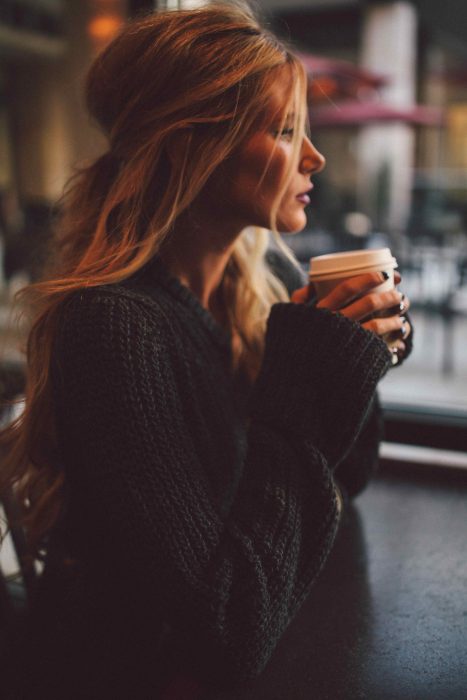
{"x":404,"y":329}
{"x":393,"y":311}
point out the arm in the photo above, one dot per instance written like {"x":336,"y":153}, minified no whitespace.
{"x":354,"y":472}
{"x":356,"y":469}
{"x":228,"y":586}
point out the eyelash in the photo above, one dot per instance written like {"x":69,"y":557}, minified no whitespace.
{"x":287,"y":133}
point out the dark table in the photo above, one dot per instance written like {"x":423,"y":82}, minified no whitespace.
{"x":387,"y":618}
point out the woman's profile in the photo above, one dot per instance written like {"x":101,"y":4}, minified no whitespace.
{"x":189,"y":430}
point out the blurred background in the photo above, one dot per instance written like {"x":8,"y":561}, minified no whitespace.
{"x":388,"y":108}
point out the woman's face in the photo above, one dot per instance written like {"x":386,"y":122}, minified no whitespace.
{"x":249,"y":182}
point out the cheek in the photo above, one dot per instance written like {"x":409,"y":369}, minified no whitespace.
{"x":251,"y":179}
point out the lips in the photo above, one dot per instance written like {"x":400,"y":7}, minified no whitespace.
{"x":303,"y":197}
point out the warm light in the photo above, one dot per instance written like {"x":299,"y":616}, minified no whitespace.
{"x":322,"y":87}
{"x":103,"y":28}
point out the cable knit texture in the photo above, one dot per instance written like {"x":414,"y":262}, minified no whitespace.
{"x":199,"y":510}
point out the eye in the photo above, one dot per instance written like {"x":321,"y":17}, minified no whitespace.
{"x":286,"y":134}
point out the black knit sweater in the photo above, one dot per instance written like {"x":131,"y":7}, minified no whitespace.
{"x":199,"y":510}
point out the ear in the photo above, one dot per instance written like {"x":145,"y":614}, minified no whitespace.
{"x":177,"y":146}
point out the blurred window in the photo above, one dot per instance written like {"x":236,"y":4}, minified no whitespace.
{"x":426,"y":398}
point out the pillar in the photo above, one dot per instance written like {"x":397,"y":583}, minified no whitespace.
{"x":386,"y":150}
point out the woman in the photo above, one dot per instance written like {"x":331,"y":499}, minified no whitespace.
{"x":179,"y":456}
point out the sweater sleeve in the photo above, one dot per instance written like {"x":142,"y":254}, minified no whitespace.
{"x":319,"y":376}
{"x":355,"y":471}
{"x":229,"y":586}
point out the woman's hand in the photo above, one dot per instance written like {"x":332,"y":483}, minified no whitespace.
{"x":379,"y":312}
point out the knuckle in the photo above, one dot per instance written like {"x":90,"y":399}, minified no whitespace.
{"x":374,"y":302}
{"x":393,"y":298}
{"x":351,"y":286}
{"x":379,"y":326}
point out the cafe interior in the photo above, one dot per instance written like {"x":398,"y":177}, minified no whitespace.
{"x":387,"y":98}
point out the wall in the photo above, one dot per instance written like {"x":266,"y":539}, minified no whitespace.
{"x":51,"y":131}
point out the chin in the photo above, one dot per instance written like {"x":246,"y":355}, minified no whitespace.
{"x":292,"y":221}
{"x":291,"y":227}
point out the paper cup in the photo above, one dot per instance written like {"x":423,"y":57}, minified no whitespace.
{"x":327,"y":271}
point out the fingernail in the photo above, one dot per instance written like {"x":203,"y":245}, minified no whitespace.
{"x":385,"y":275}
{"x":404,"y":326}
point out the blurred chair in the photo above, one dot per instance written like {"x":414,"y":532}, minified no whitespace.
{"x":17,"y":590}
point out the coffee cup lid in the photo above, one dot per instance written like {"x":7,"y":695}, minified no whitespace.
{"x":355,"y":261}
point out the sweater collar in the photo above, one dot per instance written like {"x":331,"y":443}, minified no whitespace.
{"x":155,"y":274}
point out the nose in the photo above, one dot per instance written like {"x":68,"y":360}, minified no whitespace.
{"x":311,"y":161}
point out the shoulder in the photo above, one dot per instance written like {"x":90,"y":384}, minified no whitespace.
{"x":113,"y":319}
{"x":112,"y":337}
{"x":113,"y":304}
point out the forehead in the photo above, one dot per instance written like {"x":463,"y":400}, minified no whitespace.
{"x":281,"y":93}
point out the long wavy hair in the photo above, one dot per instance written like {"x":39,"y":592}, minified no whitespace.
{"x":206,"y":73}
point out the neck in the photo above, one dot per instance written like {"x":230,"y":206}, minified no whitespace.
{"x":197,"y":253}
{"x":202,"y":274}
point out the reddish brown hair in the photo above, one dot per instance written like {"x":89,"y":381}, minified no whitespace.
{"x":206,"y":73}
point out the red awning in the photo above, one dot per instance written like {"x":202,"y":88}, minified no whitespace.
{"x":334,"y":79}
{"x":343,"y":94}
{"x":319,"y":66}
{"x":359,"y":113}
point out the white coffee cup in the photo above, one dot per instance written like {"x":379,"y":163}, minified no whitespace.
{"x":327,"y":271}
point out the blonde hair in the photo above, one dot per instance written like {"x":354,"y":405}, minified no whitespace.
{"x":206,"y":72}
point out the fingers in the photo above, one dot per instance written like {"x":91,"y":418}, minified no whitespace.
{"x":386,"y":326}
{"x":404,"y":332}
{"x":406,"y":328}
{"x":399,"y":347}
{"x":380,"y":312}
{"x":401,"y":308}
{"x":351,"y":289}
{"x":372,"y":304}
